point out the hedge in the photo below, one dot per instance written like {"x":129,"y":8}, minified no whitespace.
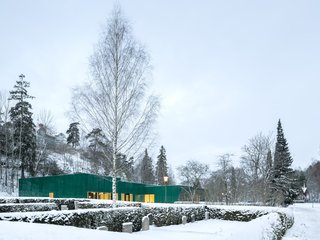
{"x":165,"y":216}
{"x":234,"y":214}
{"x":27,"y":207}
{"x":58,"y":201}
{"x":285,"y":222}
{"x":105,"y":204}
{"x":112,"y":218}
{"x":161,"y":215}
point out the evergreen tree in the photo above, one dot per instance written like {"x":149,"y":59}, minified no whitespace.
{"x":73,"y":134}
{"x":281,"y":179}
{"x":125,"y":167}
{"x":96,"y":139}
{"x":161,"y":167}
{"x":24,"y":136}
{"x":98,"y":150}
{"x":147,"y":175}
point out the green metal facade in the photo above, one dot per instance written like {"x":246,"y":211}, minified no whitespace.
{"x":78,"y":185}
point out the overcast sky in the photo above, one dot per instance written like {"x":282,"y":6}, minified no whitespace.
{"x":225,"y":70}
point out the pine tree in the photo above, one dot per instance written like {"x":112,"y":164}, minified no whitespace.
{"x":161,"y":167}
{"x":125,"y":167}
{"x":98,"y":151}
{"x":96,"y":138}
{"x":24,"y":129}
{"x":73,"y":134}
{"x":147,"y":175}
{"x":281,"y":179}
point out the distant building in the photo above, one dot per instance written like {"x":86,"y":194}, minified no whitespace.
{"x":83,"y":185}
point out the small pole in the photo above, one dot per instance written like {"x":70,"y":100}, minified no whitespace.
{"x":165,"y":180}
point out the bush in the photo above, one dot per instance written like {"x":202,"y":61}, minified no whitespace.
{"x":106,"y":204}
{"x":285,"y":222}
{"x":234,"y":215}
{"x":58,"y":201}
{"x":161,"y":215}
{"x":27,"y":207}
{"x":165,"y":216}
{"x":112,"y":218}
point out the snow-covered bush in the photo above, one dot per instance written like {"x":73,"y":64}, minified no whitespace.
{"x":170,"y":215}
{"x":58,"y":201}
{"x":106,"y":204}
{"x":23,"y":200}
{"x":165,"y":216}
{"x":273,"y":225}
{"x":284,"y":223}
{"x":27,"y":207}
{"x":93,"y":218}
{"x":244,"y":215}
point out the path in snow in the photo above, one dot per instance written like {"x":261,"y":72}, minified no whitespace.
{"x":306,"y":222}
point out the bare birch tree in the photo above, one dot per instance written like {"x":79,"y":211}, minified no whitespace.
{"x":255,"y":163}
{"x":193,"y":175}
{"x":46,"y":118}
{"x":225,"y":165}
{"x":115,"y":100}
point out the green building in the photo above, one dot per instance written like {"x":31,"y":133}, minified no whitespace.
{"x":83,"y":185}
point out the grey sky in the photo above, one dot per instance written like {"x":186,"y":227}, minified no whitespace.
{"x":225,"y":70}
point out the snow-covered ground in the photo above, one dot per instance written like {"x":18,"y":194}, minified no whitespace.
{"x":306,"y":227}
{"x":306,"y":222}
{"x":5,"y":194}
{"x":211,"y":229}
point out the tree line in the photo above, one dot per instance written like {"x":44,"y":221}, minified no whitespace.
{"x":27,"y":150}
{"x":264,"y":177}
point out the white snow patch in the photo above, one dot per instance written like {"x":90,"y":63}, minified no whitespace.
{"x":306,"y":222}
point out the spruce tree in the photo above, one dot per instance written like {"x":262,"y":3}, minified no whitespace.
{"x":24,"y":129}
{"x":73,"y":134}
{"x":281,"y":178}
{"x":125,"y":167}
{"x":147,"y":175}
{"x":161,"y":167}
{"x":97,"y":150}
